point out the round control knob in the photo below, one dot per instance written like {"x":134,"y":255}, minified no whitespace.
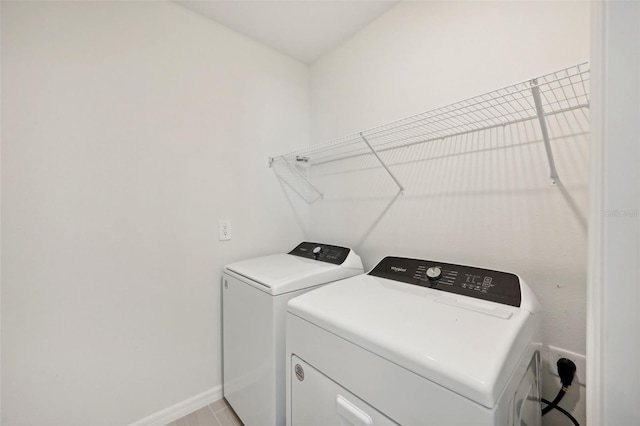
{"x":317,"y":250}
{"x":434,"y":273}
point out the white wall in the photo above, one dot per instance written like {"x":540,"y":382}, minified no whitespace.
{"x":129,"y":129}
{"x":475,"y":203}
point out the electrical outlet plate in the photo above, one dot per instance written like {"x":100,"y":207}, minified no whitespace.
{"x":224,"y":230}
{"x":554,"y":354}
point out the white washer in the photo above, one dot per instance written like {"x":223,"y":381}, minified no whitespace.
{"x":415,"y":342}
{"x":254,"y":302}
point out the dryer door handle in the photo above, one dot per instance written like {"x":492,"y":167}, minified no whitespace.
{"x":351,"y":413}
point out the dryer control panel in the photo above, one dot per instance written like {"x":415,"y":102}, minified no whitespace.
{"x":485,"y":284}
{"x":321,"y":252}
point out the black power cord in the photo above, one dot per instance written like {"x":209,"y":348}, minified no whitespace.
{"x":563,"y":411}
{"x":566,"y":371}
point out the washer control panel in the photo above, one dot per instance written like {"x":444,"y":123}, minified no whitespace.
{"x":321,"y":252}
{"x":485,"y":284}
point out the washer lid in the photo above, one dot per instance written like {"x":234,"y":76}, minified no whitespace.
{"x":283,"y":273}
{"x":467,"y":345}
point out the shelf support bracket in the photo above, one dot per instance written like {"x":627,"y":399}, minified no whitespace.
{"x":535,"y":91}
{"x":373,"y":151}
{"x":305,"y":180}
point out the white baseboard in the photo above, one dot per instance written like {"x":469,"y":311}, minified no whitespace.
{"x":181,"y":409}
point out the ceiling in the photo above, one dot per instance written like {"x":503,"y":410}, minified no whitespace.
{"x":304,"y":30}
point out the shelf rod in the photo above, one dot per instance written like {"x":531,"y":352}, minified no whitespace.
{"x":304,"y":178}
{"x":383,"y":163}
{"x":535,"y":91}
{"x":449,"y":135}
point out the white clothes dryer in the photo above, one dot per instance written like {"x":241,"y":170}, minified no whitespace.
{"x":255,"y":293}
{"x":415,"y":342}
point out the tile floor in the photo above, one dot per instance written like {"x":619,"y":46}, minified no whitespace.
{"x":215,"y":414}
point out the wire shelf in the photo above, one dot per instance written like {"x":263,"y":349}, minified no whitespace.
{"x":559,"y":92}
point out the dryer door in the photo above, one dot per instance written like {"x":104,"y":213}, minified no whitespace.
{"x":318,"y":400}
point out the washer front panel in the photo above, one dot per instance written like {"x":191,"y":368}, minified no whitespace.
{"x":321,"y":252}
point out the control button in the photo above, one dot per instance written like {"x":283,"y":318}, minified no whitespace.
{"x":317,"y":250}
{"x":434,"y":273}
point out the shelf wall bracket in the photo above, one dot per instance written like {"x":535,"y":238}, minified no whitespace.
{"x":305,"y":180}
{"x":535,"y":91}
{"x":373,"y":151}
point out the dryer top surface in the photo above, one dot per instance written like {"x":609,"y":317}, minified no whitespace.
{"x":467,"y":345}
